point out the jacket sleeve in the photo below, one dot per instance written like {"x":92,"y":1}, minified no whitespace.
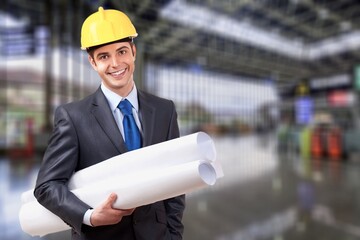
{"x":58,"y":165}
{"x":175,"y":206}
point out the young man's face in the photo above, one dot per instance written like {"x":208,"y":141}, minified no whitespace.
{"x":115,"y":64}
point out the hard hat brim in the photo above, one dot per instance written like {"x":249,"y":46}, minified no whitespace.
{"x":127,"y":39}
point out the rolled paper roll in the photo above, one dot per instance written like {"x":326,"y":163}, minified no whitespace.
{"x":142,"y":188}
{"x":170,"y":153}
{"x":28,"y":196}
{"x":135,"y":189}
{"x":38,"y":221}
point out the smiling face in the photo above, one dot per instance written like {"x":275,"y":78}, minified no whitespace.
{"x":115,"y":64}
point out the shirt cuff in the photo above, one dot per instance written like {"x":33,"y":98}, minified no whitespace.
{"x":87,"y":216}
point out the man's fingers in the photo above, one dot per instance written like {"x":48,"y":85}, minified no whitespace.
{"x":110,"y":200}
{"x":105,"y":214}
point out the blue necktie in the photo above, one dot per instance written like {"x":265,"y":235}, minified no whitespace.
{"x":131,"y":131}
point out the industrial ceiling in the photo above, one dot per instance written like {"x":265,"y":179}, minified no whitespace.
{"x":283,"y":40}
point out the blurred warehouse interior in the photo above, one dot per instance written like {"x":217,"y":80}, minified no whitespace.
{"x":273,"y":81}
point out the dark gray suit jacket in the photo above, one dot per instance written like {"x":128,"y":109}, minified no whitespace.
{"x":84,"y":134}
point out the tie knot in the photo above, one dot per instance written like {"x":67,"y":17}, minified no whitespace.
{"x":125,"y":107}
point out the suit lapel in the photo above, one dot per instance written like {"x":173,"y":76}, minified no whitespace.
{"x":101,"y":111}
{"x":147,"y":111}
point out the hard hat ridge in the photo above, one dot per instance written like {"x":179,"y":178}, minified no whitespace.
{"x":101,"y":13}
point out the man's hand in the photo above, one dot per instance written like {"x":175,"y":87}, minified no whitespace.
{"x":105,"y":214}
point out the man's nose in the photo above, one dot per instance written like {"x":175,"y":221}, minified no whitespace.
{"x":115,"y":61}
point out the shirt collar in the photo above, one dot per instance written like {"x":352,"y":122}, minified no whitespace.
{"x":114,"y":99}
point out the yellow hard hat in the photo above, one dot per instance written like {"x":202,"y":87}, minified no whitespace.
{"x":106,"y":26}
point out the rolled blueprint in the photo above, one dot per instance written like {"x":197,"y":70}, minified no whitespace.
{"x":148,"y":187}
{"x":170,"y":153}
{"x":28,"y":196}
{"x":135,"y":189}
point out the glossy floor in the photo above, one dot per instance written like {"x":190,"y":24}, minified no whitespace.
{"x":267,"y":195}
{"x":264,"y":195}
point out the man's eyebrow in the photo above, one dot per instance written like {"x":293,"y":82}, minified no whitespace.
{"x":121,"y":48}
{"x":106,"y":53}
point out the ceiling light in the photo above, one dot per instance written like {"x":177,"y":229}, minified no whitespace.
{"x":345,"y":26}
{"x":323,"y":13}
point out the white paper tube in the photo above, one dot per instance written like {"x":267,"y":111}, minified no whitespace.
{"x":133,"y":190}
{"x":150,"y":186}
{"x":38,"y":221}
{"x":170,"y":153}
{"x":28,"y":196}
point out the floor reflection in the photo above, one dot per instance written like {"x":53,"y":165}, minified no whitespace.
{"x":271,"y":195}
{"x":264,"y":195}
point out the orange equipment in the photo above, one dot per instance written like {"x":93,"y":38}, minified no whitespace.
{"x":316,"y":144}
{"x":334,"y":144}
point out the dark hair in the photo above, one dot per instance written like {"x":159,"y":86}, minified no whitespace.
{"x":90,"y":50}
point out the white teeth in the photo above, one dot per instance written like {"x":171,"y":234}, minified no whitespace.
{"x":118,"y":72}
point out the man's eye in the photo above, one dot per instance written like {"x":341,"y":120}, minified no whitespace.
{"x":122,"y":52}
{"x":103,"y":57}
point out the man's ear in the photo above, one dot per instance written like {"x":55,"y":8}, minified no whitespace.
{"x":92,"y":62}
{"x":133,"y":50}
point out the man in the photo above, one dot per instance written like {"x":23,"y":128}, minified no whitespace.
{"x":92,"y":130}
